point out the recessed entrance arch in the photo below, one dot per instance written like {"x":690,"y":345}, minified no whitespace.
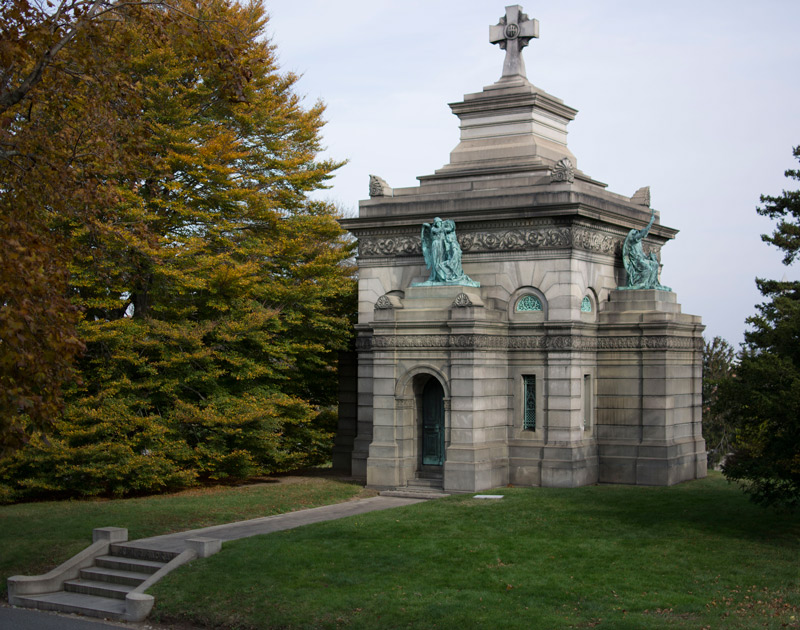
{"x":422,"y":409}
{"x":432,"y":433}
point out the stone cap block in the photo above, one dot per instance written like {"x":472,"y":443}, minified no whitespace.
{"x":638,"y":300}
{"x":204,"y":547}
{"x":138,"y":606}
{"x":110,"y":534}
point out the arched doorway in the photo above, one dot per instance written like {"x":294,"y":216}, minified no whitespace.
{"x":432,"y":433}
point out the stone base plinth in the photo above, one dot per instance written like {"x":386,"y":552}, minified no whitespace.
{"x":649,"y":366}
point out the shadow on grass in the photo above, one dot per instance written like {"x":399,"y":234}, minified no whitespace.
{"x":706,"y":507}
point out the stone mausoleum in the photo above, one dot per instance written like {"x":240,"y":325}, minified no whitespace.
{"x":512,"y":327}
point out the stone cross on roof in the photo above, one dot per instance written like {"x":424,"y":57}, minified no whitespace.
{"x":513,"y":33}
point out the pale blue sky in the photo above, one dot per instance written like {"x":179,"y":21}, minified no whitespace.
{"x":699,"y":100}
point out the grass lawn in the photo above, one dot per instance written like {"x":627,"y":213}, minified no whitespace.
{"x":38,"y":536}
{"x":697,"y":555}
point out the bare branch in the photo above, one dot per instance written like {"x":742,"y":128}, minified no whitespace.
{"x":9,"y":98}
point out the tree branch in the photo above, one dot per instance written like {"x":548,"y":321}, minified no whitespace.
{"x":9,"y":98}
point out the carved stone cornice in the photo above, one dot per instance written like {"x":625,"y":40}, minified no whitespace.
{"x":531,"y":342}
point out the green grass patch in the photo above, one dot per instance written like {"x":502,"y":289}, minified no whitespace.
{"x":38,"y":536}
{"x":697,"y":555}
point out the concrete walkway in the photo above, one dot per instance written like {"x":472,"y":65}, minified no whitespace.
{"x":269,"y":524}
{"x":24,"y":619}
{"x":29,"y":619}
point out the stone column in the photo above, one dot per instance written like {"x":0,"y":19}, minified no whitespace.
{"x":364,"y":413}
{"x":569,"y":456}
{"x":477,"y":456}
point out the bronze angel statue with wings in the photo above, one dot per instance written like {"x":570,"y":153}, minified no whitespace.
{"x":642,"y":269}
{"x":442,"y":254}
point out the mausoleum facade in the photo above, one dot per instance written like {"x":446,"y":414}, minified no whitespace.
{"x":511,"y":324}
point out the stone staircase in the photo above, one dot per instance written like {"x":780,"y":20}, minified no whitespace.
{"x":108,"y":579}
{"x":100,"y":589}
{"x":425,"y":485}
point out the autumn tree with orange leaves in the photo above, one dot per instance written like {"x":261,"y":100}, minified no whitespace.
{"x":166,"y":281}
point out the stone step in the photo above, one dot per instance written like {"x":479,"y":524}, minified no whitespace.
{"x":429,"y":482}
{"x":122,"y":550}
{"x":415,"y":493}
{"x":115,"y":576}
{"x":95,"y":587}
{"x":425,"y":474}
{"x":89,"y":605}
{"x":128,"y":564}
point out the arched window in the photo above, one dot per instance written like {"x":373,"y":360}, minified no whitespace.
{"x":528,"y":303}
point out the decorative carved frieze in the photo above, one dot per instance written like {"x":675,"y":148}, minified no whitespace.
{"x":595,"y":241}
{"x":389,"y":246}
{"x":410,"y":341}
{"x":490,"y":241}
{"x":618,"y":343}
{"x":532,"y":342}
{"x":520,"y":239}
{"x":364,"y":343}
{"x":404,"y":403}
{"x":478,"y":341}
{"x":510,"y":240}
{"x":650,"y":342}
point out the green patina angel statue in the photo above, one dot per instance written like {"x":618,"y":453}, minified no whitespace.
{"x":442,"y":255}
{"x":642,"y":269}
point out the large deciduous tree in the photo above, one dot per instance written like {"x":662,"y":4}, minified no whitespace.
{"x":762,"y":398}
{"x":156,"y":173}
{"x":38,"y":180}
